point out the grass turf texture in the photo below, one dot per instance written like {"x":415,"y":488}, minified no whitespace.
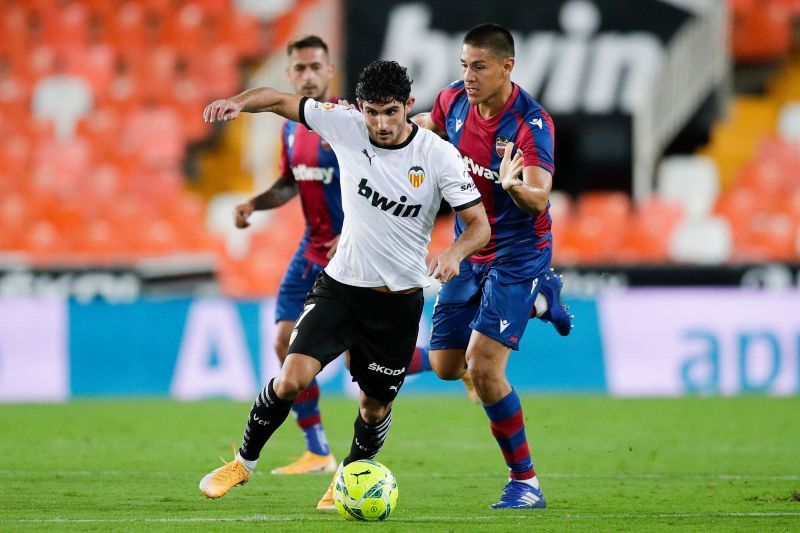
{"x":604,"y":464}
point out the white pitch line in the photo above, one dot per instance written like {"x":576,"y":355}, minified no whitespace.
{"x":442,"y":519}
{"x":441,"y":475}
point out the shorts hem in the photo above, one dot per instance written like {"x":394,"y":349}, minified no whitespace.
{"x":498,"y":338}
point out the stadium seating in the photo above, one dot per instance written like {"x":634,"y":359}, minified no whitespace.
{"x":98,"y":100}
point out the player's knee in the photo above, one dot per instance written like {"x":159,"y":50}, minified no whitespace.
{"x":484,"y":375}
{"x":289,"y":387}
{"x":372,"y":414}
{"x":447,"y":372}
{"x":447,"y":368}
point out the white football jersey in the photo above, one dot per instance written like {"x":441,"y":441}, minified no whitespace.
{"x":390,"y":197}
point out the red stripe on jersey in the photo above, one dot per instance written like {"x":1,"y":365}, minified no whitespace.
{"x":525,"y":138}
{"x":312,"y":195}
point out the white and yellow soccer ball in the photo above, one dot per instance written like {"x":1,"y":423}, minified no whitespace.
{"x":365,"y":490}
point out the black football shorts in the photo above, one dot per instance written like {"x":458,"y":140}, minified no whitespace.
{"x":380,"y":330}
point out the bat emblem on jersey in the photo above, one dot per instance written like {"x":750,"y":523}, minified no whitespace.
{"x":500,"y":145}
{"x":416,"y":175}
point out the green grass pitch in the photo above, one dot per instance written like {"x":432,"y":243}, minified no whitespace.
{"x":605,"y":464}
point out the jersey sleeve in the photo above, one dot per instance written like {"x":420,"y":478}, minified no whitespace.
{"x":536,"y":138}
{"x":439,"y":111}
{"x":442,"y":106}
{"x":285,"y":164}
{"x":455,"y":182}
{"x":334,"y":123}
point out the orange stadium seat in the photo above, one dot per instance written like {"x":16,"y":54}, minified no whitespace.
{"x":765,"y":237}
{"x":156,"y":237}
{"x":98,"y":241}
{"x":647,"y":234}
{"x":64,"y":162}
{"x":589,"y":239}
{"x":155,"y":134}
{"x":42,"y":240}
{"x":126,"y":30}
{"x":243,"y":31}
{"x":185,"y":28}
{"x":613,"y":207}
{"x":95,"y":64}
{"x":15,"y":32}
{"x":761,"y":30}
{"x":67,"y":26}
{"x":15,"y":155}
{"x":14,"y":217}
{"x":220,"y":72}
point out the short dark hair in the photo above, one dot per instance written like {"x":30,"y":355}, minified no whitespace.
{"x":493,"y":37}
{"x":309,"y":41}
{"x":382,"y":82}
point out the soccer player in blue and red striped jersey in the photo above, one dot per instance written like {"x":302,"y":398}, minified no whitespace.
{"x":308,"y":168}
{"x":481,"y":315}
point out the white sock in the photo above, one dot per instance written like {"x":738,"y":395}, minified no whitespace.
{"x":249,"y":465}
{"x":540,"y":304}
{"x":533,"y":482}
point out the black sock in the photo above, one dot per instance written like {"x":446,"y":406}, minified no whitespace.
{"x":368,"y":439}
{"x":267,"y":414}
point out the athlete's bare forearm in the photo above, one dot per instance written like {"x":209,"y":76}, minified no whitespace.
{"x":261,"y":100}
{"x":532,"y":200}
{"x":475,"y":235}
{"x":283,"y":190}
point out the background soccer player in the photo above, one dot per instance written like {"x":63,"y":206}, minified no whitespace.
{"x":368,"y":299}
{"x":481,"y":315}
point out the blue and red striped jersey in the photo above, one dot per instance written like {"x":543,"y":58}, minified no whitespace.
{"x":310,"y":161}
{"x":481,"y":144}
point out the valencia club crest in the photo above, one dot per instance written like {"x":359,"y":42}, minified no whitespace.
{"x":416,"y":175}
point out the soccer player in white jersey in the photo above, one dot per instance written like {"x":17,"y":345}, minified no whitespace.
{"x":368,"y":299}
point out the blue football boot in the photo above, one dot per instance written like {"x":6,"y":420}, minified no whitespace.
{"x":519,"y":495}
{"x":557,"y":313}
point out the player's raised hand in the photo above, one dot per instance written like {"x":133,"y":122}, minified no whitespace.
{"x":220,"y":110}
{"x":444,"y":267}
{"x":511,"y":167}
{"x":345,"y":103}
{"x":241,"y":213}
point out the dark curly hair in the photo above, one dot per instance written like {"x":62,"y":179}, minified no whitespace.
{"x":382,"y":82}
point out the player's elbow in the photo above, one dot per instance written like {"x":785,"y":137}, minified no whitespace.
{"x":536,"y":203}
{"x":538,"y":207}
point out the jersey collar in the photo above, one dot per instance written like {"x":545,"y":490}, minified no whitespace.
{"x":414,"y":129}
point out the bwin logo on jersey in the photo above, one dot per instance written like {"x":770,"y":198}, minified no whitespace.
{"x":388,"y":371}
{"x":385,"y":204}
{"x":416,"y":175}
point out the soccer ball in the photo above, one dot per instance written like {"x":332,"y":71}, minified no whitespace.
{"x":365,"y":490}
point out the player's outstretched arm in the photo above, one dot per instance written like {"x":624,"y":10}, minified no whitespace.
{"x":261,"y":100}
{"x":475,"y":236}
{"x":531,"y":191}
{"x":424,"y":120}
{"x":283,"y":190}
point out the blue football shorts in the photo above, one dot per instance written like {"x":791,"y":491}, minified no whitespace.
{"x":494,"y":298}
